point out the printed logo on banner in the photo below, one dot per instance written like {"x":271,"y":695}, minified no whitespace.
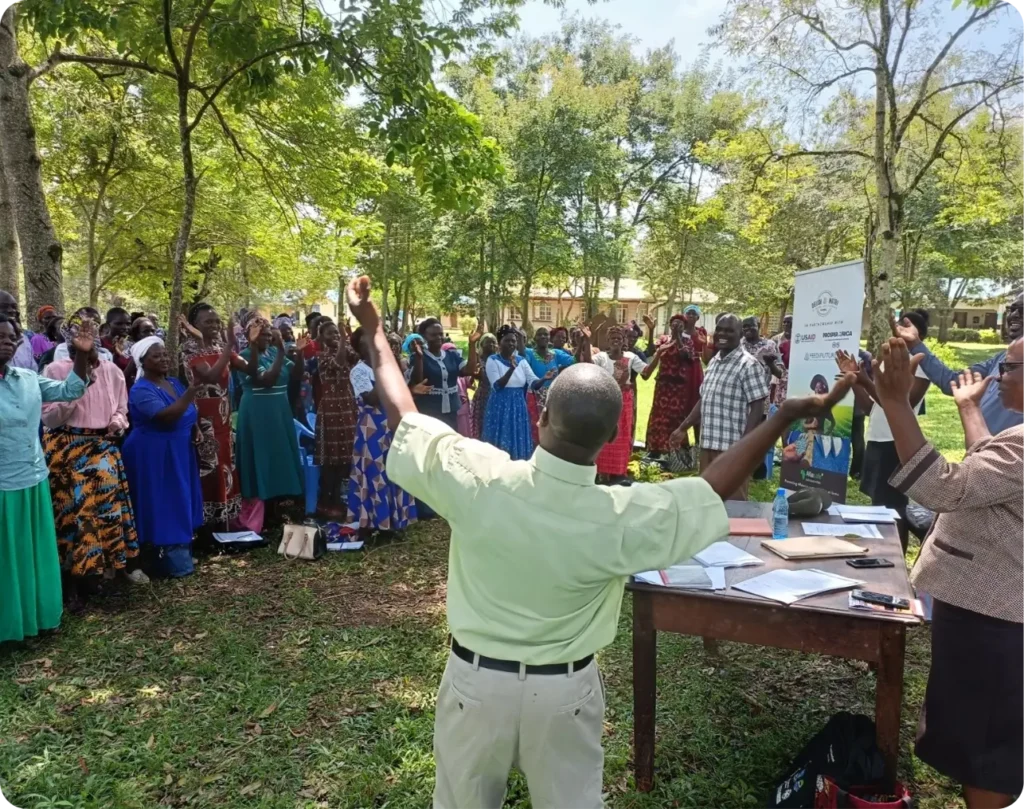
{"x":825,"y":303}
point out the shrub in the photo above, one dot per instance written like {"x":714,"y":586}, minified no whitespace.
{"x":958,"y":335}
{"x":990,"y":336}
{"x":467,"y":324}
{"x":949,"y":355}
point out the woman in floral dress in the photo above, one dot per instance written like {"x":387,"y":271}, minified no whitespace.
{"x":335,"y":418}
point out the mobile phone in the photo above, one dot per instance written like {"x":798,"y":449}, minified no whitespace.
{"x":869,"y":561}
{"x":882,"y":599}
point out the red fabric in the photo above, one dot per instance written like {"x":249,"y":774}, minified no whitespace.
{"x":784,"y":347}
{"x":676,"y":391}
{"x":120,"y":360}
{"x":614,"y":458}
{"x":534,"y":410}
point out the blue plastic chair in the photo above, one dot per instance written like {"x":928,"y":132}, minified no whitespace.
{"x":311,"y":472}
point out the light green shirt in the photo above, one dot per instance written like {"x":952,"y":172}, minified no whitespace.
{"x":539,"y":554}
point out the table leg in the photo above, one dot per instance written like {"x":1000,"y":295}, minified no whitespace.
{"x":889,"y":694}
{"x":645,"y":661}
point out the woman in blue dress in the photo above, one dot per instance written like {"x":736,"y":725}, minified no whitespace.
{"x":442,"y":369}
{"x":160,"y":459}
{"x":543,"y":358}
{"x":507,"y":420}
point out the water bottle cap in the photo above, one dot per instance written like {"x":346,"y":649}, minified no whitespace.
{"x":780,"y":491}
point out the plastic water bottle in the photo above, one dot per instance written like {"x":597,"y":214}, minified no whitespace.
{"x":780,"y":516}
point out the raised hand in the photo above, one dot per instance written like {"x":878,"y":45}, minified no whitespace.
{"x":847,"y":363}
{"x":187,"y":327}
{"x":85,"y":339}
{"x":649,"y":321}
{"x":970,"y":387}
{"x":254,"y":332}
{"x":584,"y":332}
{"x":802,"y":407}
{"x":417,"y":348}
{"x":894,"y":371}
{"x":301,"y":343}
{"x":477,"y":334}
{"x":277,"y":339}
{"x":905,"y":330}
{"x":360,"y":305}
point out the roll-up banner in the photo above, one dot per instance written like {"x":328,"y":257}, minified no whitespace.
{"x":828,"y":304}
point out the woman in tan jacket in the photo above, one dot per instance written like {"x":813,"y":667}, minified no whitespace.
{"x":972,"y":723}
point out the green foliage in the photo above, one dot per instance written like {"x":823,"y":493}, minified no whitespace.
{"x":988,"y":337}
{"x":467,"y":324}
{"x":945,"y":353}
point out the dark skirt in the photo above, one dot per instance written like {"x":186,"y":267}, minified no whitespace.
{"x":880,"y":461}
{"x":971,"y":727}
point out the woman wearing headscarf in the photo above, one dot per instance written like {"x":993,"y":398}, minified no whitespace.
{"x":335,"y":418}
{"x":971,"y":727}
{"x":41,"y":342}
{"x":613,"y":462}
{"x":486,"y":346}
{"x":431,"y":363}
{"x":206,"y":362}
{"x":95,"y":523}
{"x":374,"y":502}
{"x":677,"y":388}
{"x":266,"y":449}
{"x":160,"y":459}
{"x":30,"y":591}
{"x":142,"y":327}
{"x":507,"y":421}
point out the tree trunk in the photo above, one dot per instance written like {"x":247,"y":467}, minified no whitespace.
{"x":41,"y":251}
{"x":944,"y":325}
{"x":890,"y":214}
{"x":188,"y":213}
{"x":9,"y":263}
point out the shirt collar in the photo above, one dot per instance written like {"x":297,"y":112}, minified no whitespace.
{"x":572,"y":473}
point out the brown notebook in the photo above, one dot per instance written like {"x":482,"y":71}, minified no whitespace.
{"x":813,"y":548}
{"x":749,"y":527}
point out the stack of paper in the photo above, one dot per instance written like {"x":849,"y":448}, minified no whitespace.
{"x":749,"y":527}
{"x":725,"y":554}
{"x":879,"y":514}
{"x":824,"y":529}
{"x":788,"y":586}
{"x":686,"y":577}
{"x":345,"y":546}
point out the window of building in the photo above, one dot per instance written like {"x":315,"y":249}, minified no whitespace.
{"x":976,"y":320}
{"x":641,"y":310}
{"x":542,"y":311}
{"x":620,"y":315}
{"x":514,"y":314}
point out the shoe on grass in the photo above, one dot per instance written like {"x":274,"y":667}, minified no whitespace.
{"x":138,"y":577}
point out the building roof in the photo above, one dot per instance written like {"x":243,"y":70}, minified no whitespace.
{"x":630,"y":289}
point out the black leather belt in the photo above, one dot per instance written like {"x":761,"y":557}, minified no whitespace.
{"x":511,"y":665}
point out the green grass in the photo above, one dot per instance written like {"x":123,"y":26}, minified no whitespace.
{"x":261,"y":683}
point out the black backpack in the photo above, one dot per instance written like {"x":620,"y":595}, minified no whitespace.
{"x":844,"y":750}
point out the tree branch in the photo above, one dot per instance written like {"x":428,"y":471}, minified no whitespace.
{"x":59,"y":57}
{"x":219,"y":87}
{"x":815,"y":24}
{"x":976,"y":16}
{"x":169,"y":41}
{"x":190,"y":44}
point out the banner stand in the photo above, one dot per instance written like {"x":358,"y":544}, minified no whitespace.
{"x":828,"y":305}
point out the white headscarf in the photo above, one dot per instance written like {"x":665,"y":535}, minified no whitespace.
{"x":139,"y":349}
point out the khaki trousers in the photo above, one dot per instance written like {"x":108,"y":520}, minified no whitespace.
{"x":707,"y":457}
{"x":547,"y":725}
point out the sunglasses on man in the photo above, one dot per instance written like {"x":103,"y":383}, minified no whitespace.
{"x":1006,"y":367}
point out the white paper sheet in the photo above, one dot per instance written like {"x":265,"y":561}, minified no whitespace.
{"x":788,"y":586}
{"x":237,"y":536}
{"x":824,"y":529}
{"x":876,"y":514}
{"x":725,"y":554}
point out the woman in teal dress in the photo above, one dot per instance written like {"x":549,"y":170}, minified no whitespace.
{"x":266,"y":449}
{"x":30,"y":592}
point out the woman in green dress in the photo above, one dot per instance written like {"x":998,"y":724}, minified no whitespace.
{"x":30,"y":592}
{"x":266,"y":448}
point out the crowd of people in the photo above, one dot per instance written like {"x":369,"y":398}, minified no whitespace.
{"x":120,"y":455}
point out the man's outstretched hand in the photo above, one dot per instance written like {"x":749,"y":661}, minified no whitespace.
{"x":803,"y":407}
{"x":360,"y":305}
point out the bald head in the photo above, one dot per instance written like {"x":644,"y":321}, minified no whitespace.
{"x":727,"y":333}
{"x":582,"y":410}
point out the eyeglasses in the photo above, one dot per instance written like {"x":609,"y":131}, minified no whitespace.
{"x":1006,"y":367}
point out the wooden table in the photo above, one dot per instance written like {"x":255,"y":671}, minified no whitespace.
{"x":821,"y":624}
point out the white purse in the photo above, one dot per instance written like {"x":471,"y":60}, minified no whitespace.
{"x":302,"y":542}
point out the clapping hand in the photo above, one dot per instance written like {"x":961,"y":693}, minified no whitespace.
{"x":551,"y":374}
{"x":969,"y":388}
{"x":301,"y":343}
{"x":277,"y":339}
{"x":85,"y":339}
{"x":254,"y":332}
{"x":894,"y":372}
{"x":847,"y":363}
{"x":360,"y":305}
{"x":905,"y":330}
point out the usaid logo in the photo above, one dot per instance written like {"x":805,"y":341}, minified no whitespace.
{"x":825,"y":303}
{"x":806,"y":338}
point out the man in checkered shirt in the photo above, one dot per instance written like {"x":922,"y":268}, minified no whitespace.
{"x":732,"y":397}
